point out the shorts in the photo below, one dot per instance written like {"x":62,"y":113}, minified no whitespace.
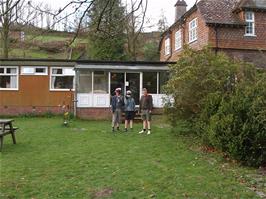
{"x":129,"y":115}
{"x":146,"y":115}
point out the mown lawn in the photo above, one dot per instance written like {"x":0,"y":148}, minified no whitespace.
{"x":86,"y":160}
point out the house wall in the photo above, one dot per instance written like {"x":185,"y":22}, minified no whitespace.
{"x":202,"y":37}
{"x":234,"y":38}
{"x":33,"y":96}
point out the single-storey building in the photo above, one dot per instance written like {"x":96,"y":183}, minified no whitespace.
{"x":38,"y":86}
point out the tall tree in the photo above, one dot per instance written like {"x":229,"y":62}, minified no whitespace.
{"x":134,"y":26}
{"x":8,"y":14}
{"x":13,"y":13}
{"x":106,"y":30}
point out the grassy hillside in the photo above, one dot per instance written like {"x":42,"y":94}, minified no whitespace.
{"x":54,"y":45}
{"x":46,"y":45}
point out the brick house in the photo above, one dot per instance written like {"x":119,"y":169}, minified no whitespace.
{"x":236,"y":27}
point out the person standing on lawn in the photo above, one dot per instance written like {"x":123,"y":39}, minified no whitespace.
{"x":117,"y":105}
{"x":145,"y":109}
{"x":129,"y":110}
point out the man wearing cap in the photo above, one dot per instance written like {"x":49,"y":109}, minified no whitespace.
{"x":145,"y":108}
{"x":117,"y":105}
{"x":129,"y":110}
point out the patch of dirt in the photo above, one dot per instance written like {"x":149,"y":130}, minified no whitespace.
{"x":103,"y":193}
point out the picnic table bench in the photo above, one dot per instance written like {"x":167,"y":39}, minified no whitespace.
{"x":6,"y":128}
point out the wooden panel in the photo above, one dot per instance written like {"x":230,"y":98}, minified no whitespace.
{"x":34,"y":91}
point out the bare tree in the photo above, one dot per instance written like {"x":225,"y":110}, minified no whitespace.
{"x":81,"y":9}
{"x":8,"y":14}
{"x":14,"y":13}
{"x":135,"y":22}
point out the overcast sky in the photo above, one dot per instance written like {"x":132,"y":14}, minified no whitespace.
{"x":155,"y":8}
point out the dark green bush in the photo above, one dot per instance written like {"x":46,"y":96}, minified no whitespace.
{"x":225,"y":101}
{"x":239,"y":126}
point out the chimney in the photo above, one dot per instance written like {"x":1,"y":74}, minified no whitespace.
{"x":180,"y":9}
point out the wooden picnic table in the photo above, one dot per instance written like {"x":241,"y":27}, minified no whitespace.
{"x":6,"y":128}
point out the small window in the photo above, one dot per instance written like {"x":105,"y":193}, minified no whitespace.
{"x":8,"y":78}
{"x":85,"y":82}
{"x":167,"y":46}
{"x":193,"y":30}
{"x":100,"y":85}
{"x":250,"y":24}
{"x":178,"y":41}
{"x":57,"y":71}
{"x":62,"y":79}
{"x":33,"y":70}
{"x":40,"y":70}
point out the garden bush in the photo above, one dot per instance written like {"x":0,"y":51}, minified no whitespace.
{"x":224,"y":100}
{"x":239,"y":125}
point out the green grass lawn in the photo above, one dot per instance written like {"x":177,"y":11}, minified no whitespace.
{"x":86,"y":160}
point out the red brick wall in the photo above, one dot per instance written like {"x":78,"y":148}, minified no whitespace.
{"x":23,"y":110}
{"x":235,"y":37}
{"x":94,"y":113}
{"x":202,"y":37}
{"x":228,"y":38}
{"x":253,"y":56}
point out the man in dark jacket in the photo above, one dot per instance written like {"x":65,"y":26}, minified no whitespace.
{"x":145,"y":108}
{"x":117,"y":105}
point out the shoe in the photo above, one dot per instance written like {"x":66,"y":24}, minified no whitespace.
{"x":141,"y":132}
{"x":125,"y":130}
{"x":149,"y":132}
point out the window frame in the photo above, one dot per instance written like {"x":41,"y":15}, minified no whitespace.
{"x":61,"y":75}
{"x":192,"y":31}
{"x":10,"y":74}
{"x":167,"y":46}
{"x":34,"y":73}
{"x":250,"y":21}
{"x":178,"y":45}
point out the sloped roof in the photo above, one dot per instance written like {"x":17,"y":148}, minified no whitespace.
{"x":253,"y":4}
{"x":219,"y":11}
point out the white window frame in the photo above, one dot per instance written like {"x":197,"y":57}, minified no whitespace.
{"x":178,"y":40}
{"x":193,"y":33}
{"x":250,"y":21}
{"x":8,"y":74}
{"x":167,"y":46}
{"x":62,"y":75}
{"x":34,"y":72}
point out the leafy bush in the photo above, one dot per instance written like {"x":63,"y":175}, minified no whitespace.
{"x":225,"y":100}
{"x":199,"y":73}
{"x":239,"y":125}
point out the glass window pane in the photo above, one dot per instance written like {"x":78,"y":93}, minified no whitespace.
{"x":5,"y":82}
{"x":62,"y":82}
{"x":85,"y":82}
{"x":2,"y":70}
{"x":8,"y":81}
{"x":100,"y":82}
{"x":57,"y":71}
{"x":11,"y":70}
{"x":150,"y":82}
{"x":27,"y":70}
{"x":40,"y":70}
{"x":163,"y":76}
{"x":69,"y":71}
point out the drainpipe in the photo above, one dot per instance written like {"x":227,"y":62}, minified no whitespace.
{"x":75,"y":92}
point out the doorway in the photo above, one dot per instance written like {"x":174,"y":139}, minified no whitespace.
{"x":117,"y":81}
{"x":126,"y":81}
{"x":133,"y":84}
